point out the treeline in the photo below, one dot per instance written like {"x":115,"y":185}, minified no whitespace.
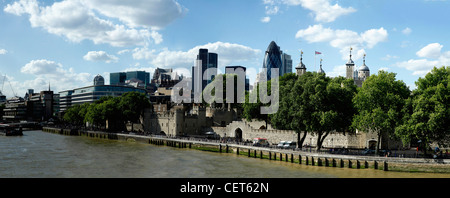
{"x":113,"y":112}
{"x":315,"y":103}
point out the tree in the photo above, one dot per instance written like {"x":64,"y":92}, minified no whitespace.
{"x":75,"y":114}
{"x":132,"y":106}
{"x":379,"y":103}
{"x":288,"y":116}
{"x":426,"y":113}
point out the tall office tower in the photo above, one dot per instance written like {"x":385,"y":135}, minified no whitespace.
{"x":272,"y":59}
{"x":204,"y":62}
{"x":286,"y":64}
{"x":212,"y":64}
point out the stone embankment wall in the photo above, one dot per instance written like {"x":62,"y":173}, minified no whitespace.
{"x":261,"y":152}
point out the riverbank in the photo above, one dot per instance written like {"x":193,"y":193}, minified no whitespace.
{"x":300,"y":157}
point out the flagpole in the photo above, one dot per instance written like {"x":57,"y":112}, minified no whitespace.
{"x":315,"y":54}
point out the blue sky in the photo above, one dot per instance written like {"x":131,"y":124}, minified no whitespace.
{"x":67,"y":42}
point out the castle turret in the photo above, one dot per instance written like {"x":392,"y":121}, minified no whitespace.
{"x":350,"y":67}
{"x":301,"y":68}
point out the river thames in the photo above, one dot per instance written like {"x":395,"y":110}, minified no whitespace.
{"x":38,"y":154}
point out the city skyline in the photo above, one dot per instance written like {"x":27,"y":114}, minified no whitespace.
{"x":67,"y":43}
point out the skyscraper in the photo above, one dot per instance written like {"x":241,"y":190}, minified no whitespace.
{"x":286,"y":64}
{"x":272,"y":59}
{"x":204,"y":61}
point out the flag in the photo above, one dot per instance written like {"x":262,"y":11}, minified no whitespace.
{"x":318,"y":52}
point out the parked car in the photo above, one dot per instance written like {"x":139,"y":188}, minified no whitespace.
{"x":281,"y":144}
{"x":260,"y":142}
{"x":290,"y":145}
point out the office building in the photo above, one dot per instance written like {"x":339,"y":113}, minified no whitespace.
{"x":92,"y":93}
{"x":286,"y":64}
{"x":204,"y":61}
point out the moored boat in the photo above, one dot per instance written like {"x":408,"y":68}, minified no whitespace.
{"x":7,"y":130}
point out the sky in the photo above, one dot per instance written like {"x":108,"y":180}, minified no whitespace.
{"x":66,"y":43}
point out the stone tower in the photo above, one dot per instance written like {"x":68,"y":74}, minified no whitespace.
{"x":350,"y":66}
{"x":301,"y":68}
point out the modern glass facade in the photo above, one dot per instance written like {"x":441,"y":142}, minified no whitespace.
{"x":272,"y":59}
{"x":205,"y":60}
{"x":93,"y":93}
{"x":120,"y":78}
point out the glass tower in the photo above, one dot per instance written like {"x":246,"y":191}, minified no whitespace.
{"x":272,"y":59}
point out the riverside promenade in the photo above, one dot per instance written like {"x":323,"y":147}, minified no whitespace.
{"x":287,"y":155}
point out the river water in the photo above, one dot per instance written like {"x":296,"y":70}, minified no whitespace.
{"x":38,"y":154}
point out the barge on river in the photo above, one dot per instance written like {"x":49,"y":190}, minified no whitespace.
{"x":10,"y":130}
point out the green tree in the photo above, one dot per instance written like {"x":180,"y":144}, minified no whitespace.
{"x":76,"y":114}
{"x":132,"y":106}
{"x":379,"y":104}
{"x":426,"y":114}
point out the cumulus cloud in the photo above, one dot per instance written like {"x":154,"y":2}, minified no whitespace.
{"x":344,"y":39}
{"x":323,"y":10}
{"x":100,"y":56}
{"x":432,"y":50}
{"x":79,"y":20}
{"x":46,"y":71}
{"x":3,"y":51}
{"x":431,"y":56}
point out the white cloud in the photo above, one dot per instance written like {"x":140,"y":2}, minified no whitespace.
{"x":272,"y":10}
{"x":432,"y":50}
{"x":100,"y":56}
{"x":337,"y":71}
{"x":154,"y":14}
{"x":407,"y":31}
{"x":3,"y":51}
{"x":344,"y":39}
{"x":78,"y":20}
{"x":265,"y":19}
{"x":323,"y":10}
{"x":431,"y":57}
{"x":45,"y":72}
{"x":388,"y":57}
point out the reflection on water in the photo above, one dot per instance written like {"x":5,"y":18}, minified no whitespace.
{"x":40,"y":154}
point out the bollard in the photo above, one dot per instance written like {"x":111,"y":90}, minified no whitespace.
{"x":254,"y":153}
{"x":190,"y":145}
{"x":300,"y":159}
{"x":385,"y":168}
{"x":281,"y":157}
{"x":349,"y":164}
{"x":270,"y":155}
{"x":220,"y":148}
{"x":248,"y":152}
{"x":342,"y":163}
{"x":375,"y":165}
{"x":312,"y":161}
{"x":326,"y":162}
{"x":366,"y":164}
{"x":274,"y":156}
{"x":292,"y":158}
{"x":319,"y":162}
{"x":260,"y":154}
{"x":358,"y":165}
{"x":307,"y":161}
{"x":226,"y":148}
{"x":237,"y":151}
{"x":334,"y":162}
{"x":286,"y":155}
